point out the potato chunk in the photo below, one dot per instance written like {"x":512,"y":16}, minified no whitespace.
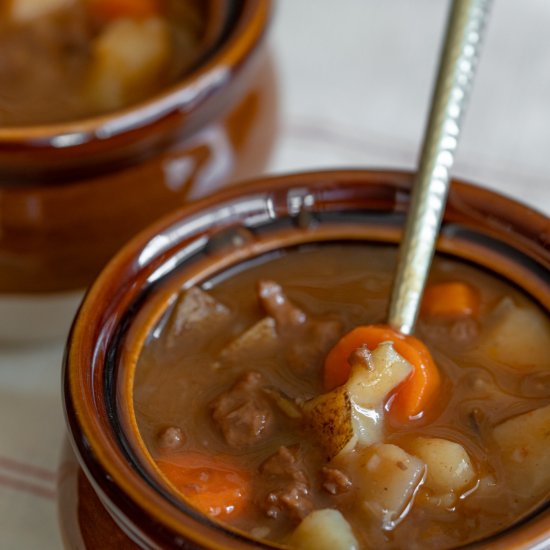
{"x":386,"y":369}
{"x":323,"y":530}
{"x":353,"y":413}
{"x":449,"y":468}
{"x":128,"y":59}
{"x":387,"y":478}
{"x":260,"y":339}
{"x":369,"y":387}
{"x":518,"y":337}
{"x":524,"y":442}
{"x":330,"y":417}
{"x":195,"y":315}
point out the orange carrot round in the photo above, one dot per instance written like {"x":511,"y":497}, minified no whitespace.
{"x":214,"y":486}
{"x":411,"y":397}
{"x":108,"y":10}
{"x":450,"y":299}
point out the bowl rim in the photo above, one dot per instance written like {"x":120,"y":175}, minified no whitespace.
{"x":110,"y":472}
{"x":193,"y":89}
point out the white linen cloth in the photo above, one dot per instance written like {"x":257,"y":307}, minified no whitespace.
{"x":355,"y":82}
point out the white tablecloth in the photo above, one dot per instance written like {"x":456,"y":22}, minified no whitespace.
{"x":355,"y":80}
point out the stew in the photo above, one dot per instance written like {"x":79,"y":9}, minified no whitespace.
{"x":273,"y":399}
{"x":63,"y":60}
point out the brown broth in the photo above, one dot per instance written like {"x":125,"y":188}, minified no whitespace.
{"x":351,"y":282}
{"x":45,"y":62}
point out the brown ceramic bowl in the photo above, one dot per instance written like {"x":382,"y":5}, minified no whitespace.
{"x":119,"y":489}
{"x":71,"y":194}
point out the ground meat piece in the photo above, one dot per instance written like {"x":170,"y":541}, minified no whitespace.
{"x":194,"y":318}
{"x":288,"y":485}
{"x":306,"y":340}
{"x":243,"y":413}
{"x":293,"y":500}
{"x":49,"y":53}
{"x":260,"y":340}
{"x":335,"y":481}
{"x":170,"y":438}
{"x":285,"y":463}
{"x":277,"y":305}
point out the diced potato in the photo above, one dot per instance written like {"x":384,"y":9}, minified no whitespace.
{"x":323,"y":530}
{"x":387,"y":479}
{"x":330,"y":417}
{"x":518,"y":337}
{"x":369,"y":387}
{"x":260,"y":338}
{"x":22,"y":11}
{"x":195,"y":313}
{"x":449,"y":467}
{"x":353,"y":413}
{"x":128,"y":58}
{"x":524,"y":442}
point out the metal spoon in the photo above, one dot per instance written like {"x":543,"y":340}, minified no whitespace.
{"x":457,"y":66}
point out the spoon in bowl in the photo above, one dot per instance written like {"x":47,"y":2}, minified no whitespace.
{"x":458,"y":63}
{"x":457,"y":66}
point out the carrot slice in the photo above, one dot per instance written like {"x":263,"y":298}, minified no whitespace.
{"x":412,"y":397}
{"x":108,"y":10}
{"x":214,"y":486}
{"x":451,"y":299}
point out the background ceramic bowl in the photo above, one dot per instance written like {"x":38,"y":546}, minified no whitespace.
{"x":71,"y":194}
{"x":118,"y":489}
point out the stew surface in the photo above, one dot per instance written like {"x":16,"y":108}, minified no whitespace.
{"x":251,"y":416}
{"x":63,"y":60}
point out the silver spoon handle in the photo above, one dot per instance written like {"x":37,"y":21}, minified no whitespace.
{"x":457,"y":67}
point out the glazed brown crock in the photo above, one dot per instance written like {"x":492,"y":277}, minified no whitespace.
{"x":71,"y":194}
{"x":116,"y":486}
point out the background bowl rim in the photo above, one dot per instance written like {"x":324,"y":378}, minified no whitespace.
{"x":193,"y":88}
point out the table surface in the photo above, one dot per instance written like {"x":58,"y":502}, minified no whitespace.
{"x":355,"y":85}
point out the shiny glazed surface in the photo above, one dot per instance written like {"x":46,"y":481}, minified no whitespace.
{"x":73,"y":204}
{"x":80,"y":512}
{"x":342,"y":286}
{"x":479,"y":225}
